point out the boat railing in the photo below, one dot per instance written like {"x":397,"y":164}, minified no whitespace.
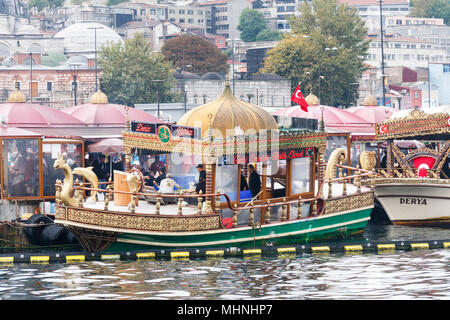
{"x":203,"y":200}
{"x":398,"y":172}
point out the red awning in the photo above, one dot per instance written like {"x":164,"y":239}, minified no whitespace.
{"x":373,"y":114}
{"x":335,"y":118}
{"x":21,"y":114}
{"x":107,"y":146}
{"x":99,"y":114}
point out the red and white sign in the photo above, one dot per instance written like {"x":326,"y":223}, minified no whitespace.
{"x":384,"y":129}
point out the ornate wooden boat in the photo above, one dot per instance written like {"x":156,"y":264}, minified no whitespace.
{"x":414,"y":188}
{"x":301,"y":199}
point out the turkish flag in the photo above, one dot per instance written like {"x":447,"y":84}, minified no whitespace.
{"x":297,"y":97}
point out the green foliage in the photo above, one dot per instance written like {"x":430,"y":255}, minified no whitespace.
{"x":431,"y":9}
{"x":128,"y":70}
{"x":190,"y":50}
{"x":302,"y":55}
{"x":114,"y":2}
{"x":268,"y":35}
{"x":41,"y":4}
{"x":251,"y":23}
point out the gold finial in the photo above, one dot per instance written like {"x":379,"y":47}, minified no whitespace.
{"x":17,"y":96}
{"x":227,"y":80}
{"x":99,"y":98}
{"x":127,"y":120}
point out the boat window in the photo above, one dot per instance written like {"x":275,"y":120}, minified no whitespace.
{"x":334,"y":142}
{"x":276,"y":179}
{"x":20,"y":168}
{"x":183,"y":169}
{"x":227,"y":181}
{"x":71,"y":152}
{"x":301,"y":169}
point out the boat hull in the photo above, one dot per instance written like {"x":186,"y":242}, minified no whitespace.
{"x":336,"y":225}
{"x":415,"y":204}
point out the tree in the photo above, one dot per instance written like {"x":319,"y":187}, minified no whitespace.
{"x":268,"y":35}
{"x":431,"y":9}
{"x":129,"y":71}
{"x":191,"y":50}
{"x":325,"y":49}
{"x":251,"y":22}
{"x":41,"y":4}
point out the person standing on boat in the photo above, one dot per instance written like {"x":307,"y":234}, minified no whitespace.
{"x":254,"y":181}
{"x":156,"y":166}
{"x":201,"y":185}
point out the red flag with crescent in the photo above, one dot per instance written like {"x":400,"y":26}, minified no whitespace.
{"x":297,"y":97}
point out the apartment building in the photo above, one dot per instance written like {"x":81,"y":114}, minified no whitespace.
{"x":222,"y":16}
{"x":187,"y":14}
{"x":402,"y":51}
{"x":433,"y":30}
{"x":369,"y":11}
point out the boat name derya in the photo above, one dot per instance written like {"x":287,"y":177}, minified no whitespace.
{"x":420,"y":201}
{"x":226,"y":309}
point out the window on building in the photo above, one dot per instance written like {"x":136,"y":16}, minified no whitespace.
{"x":49,"y":86}
{"x":190,"y":11}
{"x":200,"y":12}
{"x":446,"y":67}
{"x":180,"y":11}
{"x":17,"y":85}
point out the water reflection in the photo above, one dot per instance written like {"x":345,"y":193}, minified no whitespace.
{"x":419,"y":274}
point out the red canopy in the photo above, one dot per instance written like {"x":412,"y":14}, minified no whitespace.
{"x":7,"y":131}
{"x":21,"y":114}
{"x":109,"y":114}
{"x":107,"y":146}
{"x":373,"y":114}
{"x":334,"y":118}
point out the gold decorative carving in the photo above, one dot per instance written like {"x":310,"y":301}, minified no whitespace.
{"x":141,"y":222}
{"x":349,"y":202}
{"x":337,"y":156}
{"x":367,"y":160}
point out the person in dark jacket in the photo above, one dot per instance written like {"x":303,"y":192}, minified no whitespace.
{"x":254,"y":181}
{"x":201,"y":185}
{"x":244,"y":185}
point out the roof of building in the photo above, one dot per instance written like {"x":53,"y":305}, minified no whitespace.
{"x":373,"y":2}
{"x":80,"y":37}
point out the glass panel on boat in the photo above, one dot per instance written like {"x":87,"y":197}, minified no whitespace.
{"x":276,"y":178}
{"x":71,"y":152}
{"x":21,"y":168}
{"x":334,"y":142}
{"x":227,"y":181}
{"x":301,"y":173}
{"x":183,"y":169}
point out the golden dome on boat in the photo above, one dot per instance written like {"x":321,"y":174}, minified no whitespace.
{"x":99,"y":98}
{"x":312,"y":99}
{"x":227,"y":113}
{"x":370,"y":100}
{"x":17,"y":97}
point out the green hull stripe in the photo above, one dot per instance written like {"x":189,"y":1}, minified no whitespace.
{"x":293,"y":232}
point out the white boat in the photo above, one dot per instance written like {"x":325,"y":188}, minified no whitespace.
{"x":414,"y":187}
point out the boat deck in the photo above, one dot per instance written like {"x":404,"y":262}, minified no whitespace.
{"x":149,"y":207}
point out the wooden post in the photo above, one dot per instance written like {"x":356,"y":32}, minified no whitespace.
{"x":180,"y":203}
{"x":299,"y":208}
{"x":235,"y":216}
{"x":199,"y":202}
{"x":283,"y":210}
{"x":158,"y":204}
{"x":107,"y":195}
{"x":217,"y":201}
{"x":251,"y":218}
{"x":344,"y":186}
{"x":267,"y":216}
